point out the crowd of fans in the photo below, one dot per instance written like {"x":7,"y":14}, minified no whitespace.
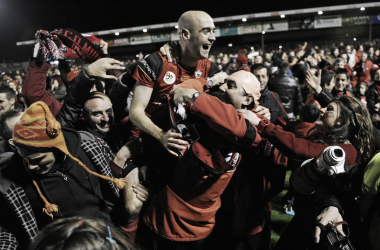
{"x":185,"y":148}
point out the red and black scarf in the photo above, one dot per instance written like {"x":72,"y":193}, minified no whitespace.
{"x":87,"y":48}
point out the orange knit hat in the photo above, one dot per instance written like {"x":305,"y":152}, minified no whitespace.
{"x":38,"y":128}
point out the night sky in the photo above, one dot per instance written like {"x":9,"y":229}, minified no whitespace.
{"x":20,"y":19}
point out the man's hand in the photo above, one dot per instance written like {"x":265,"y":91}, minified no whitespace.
{"x":219,"y":78}
{"x":172,"y":51}
{"x":250,"y":116}
{"x":313,"y":81}
{"x":104,"y":47}
{"x":170,"y":139}
{"x":183,"y":95}
{"x":142,"y":192}
{"x":261,"y":110}
{"x":100,"y":67}
{"x":37,"y":53}
{"x":132,"y":203}
{"x":328,"y":215}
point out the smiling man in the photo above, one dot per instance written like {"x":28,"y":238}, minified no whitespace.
{"x":98,"y":112}
{"x":156,"y":77}
{"x":8,"y":100}
{"x":341,"y":81}
{"x":269,"y":99}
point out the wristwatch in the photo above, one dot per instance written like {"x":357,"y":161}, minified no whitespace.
{"x":195,"y":96}
{"x":209,"y":81}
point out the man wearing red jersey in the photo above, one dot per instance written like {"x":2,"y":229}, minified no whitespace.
{"x":156,"y":77}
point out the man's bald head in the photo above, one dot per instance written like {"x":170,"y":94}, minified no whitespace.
{"x":196,"y":36}
{"x":191,"y":19}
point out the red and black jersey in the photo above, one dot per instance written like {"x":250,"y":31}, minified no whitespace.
{"x":156,"y":72}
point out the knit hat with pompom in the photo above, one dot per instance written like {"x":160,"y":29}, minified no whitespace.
{"x":37,"y":128}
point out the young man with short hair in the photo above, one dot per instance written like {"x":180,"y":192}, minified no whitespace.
{"x":269,"y":99}
{"x":7,"y":99}
{"x":363,"y":69}
{"x":341,"y":81}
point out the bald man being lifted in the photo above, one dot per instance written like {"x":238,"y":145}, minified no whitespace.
{"x":156,"y":77}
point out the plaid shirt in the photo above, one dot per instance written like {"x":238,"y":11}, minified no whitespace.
{"x":99,"y":154}
{"x":18,"y":202}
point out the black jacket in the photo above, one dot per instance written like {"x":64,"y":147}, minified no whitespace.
{"x":272,"y":101}
{"x":289,"y":91}
{"x":324,"y":98}
{"x":372,"y":94}
{"x":75,"y":191}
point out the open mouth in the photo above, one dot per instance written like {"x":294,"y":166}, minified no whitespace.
{"x":106,"y":125}
{"x":103,"y":126}
{"x":206,"y":47}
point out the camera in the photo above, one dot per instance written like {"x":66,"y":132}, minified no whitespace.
{"x":333,"y":240}
{"x":330,"y":162}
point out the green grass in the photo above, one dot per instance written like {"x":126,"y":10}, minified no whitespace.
{"x":279,"y":218}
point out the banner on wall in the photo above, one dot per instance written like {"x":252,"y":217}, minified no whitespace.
{"x":140,"y":39}
{"x":163,"y":37}
{"x":249,"y":28}
{"x":121,"y":42}
{"x":228,"y":30}
{"x":275,"y":26}
{"x":321,"y":22}
{"x":217,"y":32}
{"x":301,"y":24}
{"x":376,"y":19}
{"x":355,"y":20}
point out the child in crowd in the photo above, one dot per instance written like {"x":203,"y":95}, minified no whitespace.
{"x":361,"y":91}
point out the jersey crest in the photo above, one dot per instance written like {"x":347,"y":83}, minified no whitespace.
{"x":169,"y":77}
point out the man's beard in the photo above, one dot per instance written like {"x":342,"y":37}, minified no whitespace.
{"x":223,"y":96}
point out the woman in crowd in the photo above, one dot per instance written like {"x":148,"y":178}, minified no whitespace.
{"x":81,"y":233}
{"x":344,"y":122}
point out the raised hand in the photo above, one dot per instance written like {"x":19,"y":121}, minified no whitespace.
{"x":100,"y":67}
{"x":313,"y":81}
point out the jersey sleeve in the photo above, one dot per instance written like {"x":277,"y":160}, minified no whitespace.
{"x":224,"y":119}
{"x":148,"y":70}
